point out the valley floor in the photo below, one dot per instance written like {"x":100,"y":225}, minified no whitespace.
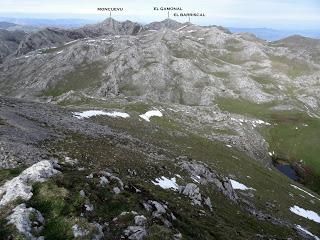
{"x":143,"y":171}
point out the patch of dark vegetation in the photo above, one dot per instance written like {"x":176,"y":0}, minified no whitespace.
{"x":85,"y":75}
{"x":5,"y":231}
{"x":52,"y":201}
{"x":7,"y":174}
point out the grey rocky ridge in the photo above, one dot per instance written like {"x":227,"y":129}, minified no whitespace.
{"x":168,"y":130}
{"x":9,"y":42}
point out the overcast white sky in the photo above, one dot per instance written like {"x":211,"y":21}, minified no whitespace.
{"x":281,"y":14}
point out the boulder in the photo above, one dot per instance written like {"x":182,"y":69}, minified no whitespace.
{"x":20,"y":218}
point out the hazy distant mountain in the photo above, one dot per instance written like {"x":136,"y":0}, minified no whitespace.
{"x":6,"y":25}
{"x":48,"y":22}
{"x":16,"y":27}
{"x":273,"y":34}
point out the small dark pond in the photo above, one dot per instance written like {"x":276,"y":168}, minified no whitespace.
{"x":287,"y":170}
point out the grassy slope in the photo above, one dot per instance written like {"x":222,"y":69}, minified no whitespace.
{"x":165,"y":132}
{"x":294,"y":136}
{"x":60,"y":202}
{"x":86,"y":75}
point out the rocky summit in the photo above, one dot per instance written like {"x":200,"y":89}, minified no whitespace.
{"x":169,"y":130}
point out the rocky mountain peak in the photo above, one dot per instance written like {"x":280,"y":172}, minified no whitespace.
{"x":112,"y":26}
{"x":167,"y":23}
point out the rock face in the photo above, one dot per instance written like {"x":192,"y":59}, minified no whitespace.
{"x":166,"y":24}
{"x":9,"y":42}
{"x":165,"y":61}
{"x":135,"y":232}
{"x":206,"y":176}
{"x":140,"y":220}
{"x":21,"y":186}
{"x":108,"y":178}
{"x":79,"y":232}
{"x":160,"y":211}
{"x":95,"y":232}
{"x":193,"y":192}
{"x":111,"y":26}
{"x":20,"y":218}
{"x":53,"y":37}
{"x":46,"y":38}
{"x":156,"y":208}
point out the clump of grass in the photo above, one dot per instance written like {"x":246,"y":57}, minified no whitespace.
{"x":159,"y":232}
{"x":7,"y":174}
{"x":51,"y":201}
{"x":58,"y":228}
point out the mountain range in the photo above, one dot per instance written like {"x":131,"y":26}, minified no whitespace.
{"x":275,"y":34}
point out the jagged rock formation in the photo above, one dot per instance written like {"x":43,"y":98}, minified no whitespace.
{"x":111,"y":26}
{"x":9,"y":42}
{"x":53,"y":37}
{"x":193,"y":192}
{"x":185,"y":64}
{"x":135,"y":232}
{"x":166,"y":24}
{"x":206,"y":176}
{"x":46,"y":38}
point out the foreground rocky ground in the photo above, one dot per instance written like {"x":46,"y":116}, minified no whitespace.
{"x":67,"y":175}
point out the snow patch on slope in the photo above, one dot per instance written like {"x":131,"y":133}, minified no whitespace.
{"x":296,"y":187}
{"x":179,"y":29}
{"x":239,"y":186}
{"x":254,"y":123}
{"x":92,"y":113}
{"x":149,"y":114}
{"x":166,"y":183}
{"x":311,"y":215}
{"x":307,"y":232}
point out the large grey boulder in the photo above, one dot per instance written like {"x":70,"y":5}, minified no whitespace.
{"x":140,"y":220}
{"x":20,"y":218}
{"x":157,"y":209}
{"x":21,"y":186}
{"x":207,"y":176}
{"x":135,"y":232}
{"x":193,"y":192}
